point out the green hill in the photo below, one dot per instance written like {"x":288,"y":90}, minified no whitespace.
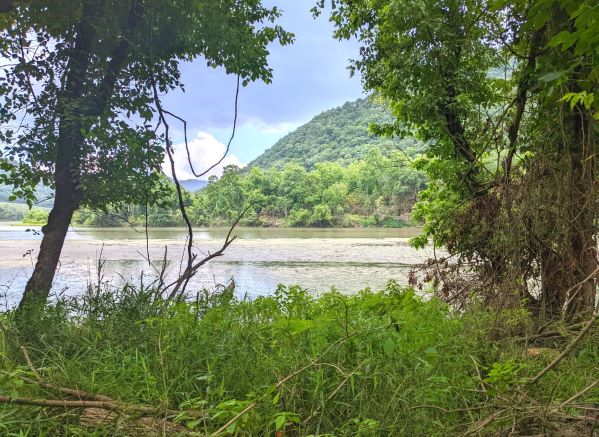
{"x":45,"y":196}
{"x":340,"y":134}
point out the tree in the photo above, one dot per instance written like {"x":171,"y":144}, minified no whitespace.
{"x":82,"y":87}
{"x":503,"y":94}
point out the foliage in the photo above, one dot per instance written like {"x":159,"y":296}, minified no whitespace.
{"x":338,"y":135}
{"x":503,"y":95}
{"x":397,"y":364}
{"x":44,"y":195}
{"x":381,"y":187}
{"x":119,"y":158}
{"x":165,"y":213}
{"x":36,"y":216}
{"x":80,"y":96}
{"x":11,"y":212}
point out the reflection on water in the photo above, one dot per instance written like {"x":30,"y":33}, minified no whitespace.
{"x":318,"y":259}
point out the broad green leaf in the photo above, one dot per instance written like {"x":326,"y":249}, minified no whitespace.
{"x":389,"y":346}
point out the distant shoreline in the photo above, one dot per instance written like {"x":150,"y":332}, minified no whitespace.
{"x":215,"y":226}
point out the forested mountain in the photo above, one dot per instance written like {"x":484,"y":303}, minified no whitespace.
{"x":340,"y":135}
{"x":193,"y":184}
{"x":44,"y":195}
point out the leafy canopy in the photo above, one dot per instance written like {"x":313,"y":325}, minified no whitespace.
{"x":121,"y":156}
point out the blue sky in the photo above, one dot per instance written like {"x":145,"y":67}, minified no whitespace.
{"x":308,"y":77}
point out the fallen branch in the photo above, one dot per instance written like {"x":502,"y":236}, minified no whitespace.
{"x":567,"y":350}
{"x":68,"y":391}
{"x":105,"y":405}
{"x":486,"y":421}
{"x":85,"y":399}
{"x":579,"y":394}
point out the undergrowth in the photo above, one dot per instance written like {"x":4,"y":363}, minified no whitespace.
{"x":373,"y":363}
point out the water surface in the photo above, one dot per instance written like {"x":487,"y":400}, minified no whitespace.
{"x":260,"y":258}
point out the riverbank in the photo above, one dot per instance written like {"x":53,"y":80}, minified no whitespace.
{"x":373,"y":363}
{"x":39,"y":217}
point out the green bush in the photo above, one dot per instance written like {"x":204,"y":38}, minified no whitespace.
{"x":389,"y":222}
{"x":90,"y":217}
{"x":322,"y":216}
{"x":369,"y":222}
{"x":299,"y":217}
{"x":36,"y":217}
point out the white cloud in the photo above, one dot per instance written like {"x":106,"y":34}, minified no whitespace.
{"x":205,"y":151}
{"x":275,"y":128}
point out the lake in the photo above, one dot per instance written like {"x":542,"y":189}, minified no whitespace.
{"x":261,"y":258}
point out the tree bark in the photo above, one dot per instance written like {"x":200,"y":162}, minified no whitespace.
{"x":569,"y":264}
{"x":553,"y":283}
{"x":582,"y":291}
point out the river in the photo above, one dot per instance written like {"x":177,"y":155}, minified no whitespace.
{"x":260,"y":258}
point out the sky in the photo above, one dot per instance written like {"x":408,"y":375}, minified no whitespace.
{"x":309,"y":76}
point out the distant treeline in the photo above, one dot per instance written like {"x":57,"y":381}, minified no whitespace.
{"x":44,"y":195}
{"x":376,"y":191}
{"x":9,"y":212}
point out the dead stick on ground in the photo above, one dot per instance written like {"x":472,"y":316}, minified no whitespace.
{"x":579,"y":394}
{"x":69,"y":391}
{"x":85,"y":404}
{"x":566,"y":351}
{"x":86,"y":400}
{"x":483,"y":423}
{"x":30,"y":363}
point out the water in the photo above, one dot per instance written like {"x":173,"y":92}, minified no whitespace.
{"x":260,"y":258}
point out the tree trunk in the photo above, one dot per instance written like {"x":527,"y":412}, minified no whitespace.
{"x":38,"y":286}
{"x":581,"y":296}
{"x":553,"y":282}
{"x":66,"y":200}
{"x":569,"y":263}
{"x":68,"y":166}
{"x":76,"y":109}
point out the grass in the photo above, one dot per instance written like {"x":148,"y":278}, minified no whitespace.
{"x":375,"y":363}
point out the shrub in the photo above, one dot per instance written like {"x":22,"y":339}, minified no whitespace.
{"x":298,"y":217}
{"x":322,"y":215}
{"x":36,"y":217}
{"x":390,"y":222}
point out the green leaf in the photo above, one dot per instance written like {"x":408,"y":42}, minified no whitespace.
{"x":280,"y":422}
{"x":564,"y":38}
{"x":550,"y":77}
{"x":276,"y":397}
{"x":389,"y":346}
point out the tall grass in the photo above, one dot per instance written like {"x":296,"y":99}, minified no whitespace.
{"x":374,"y":363}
